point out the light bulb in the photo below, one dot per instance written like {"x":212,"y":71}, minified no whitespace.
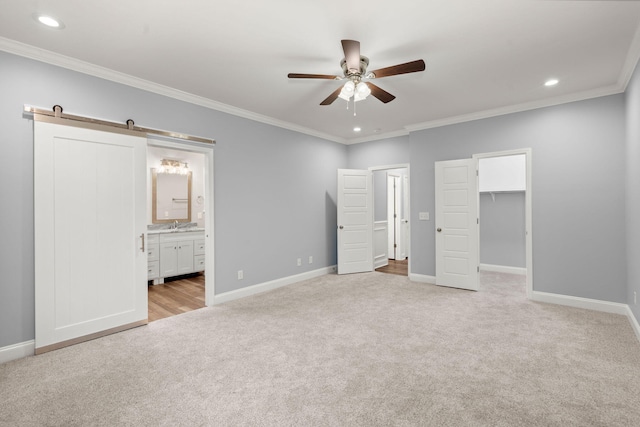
{"x":49,"y":21}
{"x":347,"y":90}
{"x":362,"y":91}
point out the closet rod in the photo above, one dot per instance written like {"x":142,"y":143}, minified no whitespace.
{"x":56,"y":112}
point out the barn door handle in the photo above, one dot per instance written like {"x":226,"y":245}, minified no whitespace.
{"x":142,"y":237}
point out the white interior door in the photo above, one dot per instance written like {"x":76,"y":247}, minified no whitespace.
{"x":457,"y":260}
{"x":391,"y":215}
{"x":404,"y":219}
{"x":90,"y":220}
{"x":355,"y":221}
{"x":394,"y":212}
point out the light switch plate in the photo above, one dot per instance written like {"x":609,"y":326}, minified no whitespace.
{"x":423,"y":216}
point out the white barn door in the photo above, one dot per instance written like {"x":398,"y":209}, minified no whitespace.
{"x":90,"y":223}
{"x":355,"y":221}
{"x":457,"y":258}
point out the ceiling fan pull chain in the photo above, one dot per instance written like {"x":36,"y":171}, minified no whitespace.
{"x":354,"y":107}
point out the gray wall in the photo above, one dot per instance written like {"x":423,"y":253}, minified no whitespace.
{"x":385,"y":152}
{"x":633,"y":191}
{"x":578,"y":150}
{"x":274,"y":188}
{"x":502,"y":229}
{"x":578,"y":185}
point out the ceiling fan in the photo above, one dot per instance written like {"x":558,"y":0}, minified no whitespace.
{"x":354,"y":67}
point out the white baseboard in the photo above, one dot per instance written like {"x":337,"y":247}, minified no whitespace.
{"x":590,"y":304}
{"x":634,"y":322}
{"x":503,"y":269}
{"x":578,"y":302}
{"x":422,"y":278}
{"x":273,"y":284}
{"x":17,"y":351}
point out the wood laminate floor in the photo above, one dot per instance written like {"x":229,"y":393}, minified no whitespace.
{"x":400,"y":268}
{"x":177,"y":296}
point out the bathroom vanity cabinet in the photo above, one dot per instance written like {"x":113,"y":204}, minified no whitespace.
{"x":174,"y":254}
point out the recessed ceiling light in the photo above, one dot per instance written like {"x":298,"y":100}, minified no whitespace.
{"x":49,"y":21}
{"x":357,"y":129}
{"x":551,"y":82}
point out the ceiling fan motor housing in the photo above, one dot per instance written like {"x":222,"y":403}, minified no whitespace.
{"x":364,"y":63}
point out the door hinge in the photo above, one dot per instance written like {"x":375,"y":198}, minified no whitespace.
{"x":478,"y":269}
{"x":395,"y":245}
{"x":477,"y":220}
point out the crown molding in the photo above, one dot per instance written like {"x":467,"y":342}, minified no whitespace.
{"x":46,"y":56}
{"x":485,"y":114}
{"x":633,"y":55}
{"x":42,"y":55}
{"x":377,"y":137}
{"x":629,"y":66}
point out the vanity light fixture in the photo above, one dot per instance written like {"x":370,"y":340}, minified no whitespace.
{"x":173,"y":167}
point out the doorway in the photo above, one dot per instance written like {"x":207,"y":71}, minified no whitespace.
{"x":391,"y":219}
{"x":505,"y":216}
{"x":192,"y":286}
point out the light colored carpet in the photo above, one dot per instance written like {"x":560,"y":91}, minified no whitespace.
{"x":360,"y":350}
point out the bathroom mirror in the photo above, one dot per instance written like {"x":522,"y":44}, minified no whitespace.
{"x":171,"y":197}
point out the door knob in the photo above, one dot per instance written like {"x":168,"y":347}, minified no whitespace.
{"x":439,"y":229}
{"x":340,"y":227}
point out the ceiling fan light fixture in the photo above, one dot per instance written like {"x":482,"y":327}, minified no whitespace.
{"x":354,"y":67}
{"x":347,"y":90}
{"x":362,"y":91}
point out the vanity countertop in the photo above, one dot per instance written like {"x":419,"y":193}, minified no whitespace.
{"x":170,"y":228}
{"x":175,"y":230}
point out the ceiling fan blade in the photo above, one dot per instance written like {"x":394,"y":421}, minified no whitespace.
{"x":352,"y":55}
{"x":381,"y":94}
{"x":331,"y":97}
{"x":312,"y":76}
{"x":409,"y":67}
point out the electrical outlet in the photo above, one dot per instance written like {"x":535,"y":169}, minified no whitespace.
{"x":240,"y":275}
{"x":310,"y":259}
{"x":299,"y":262}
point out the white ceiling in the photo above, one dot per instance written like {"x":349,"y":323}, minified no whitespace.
{"x":483,"y":57}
